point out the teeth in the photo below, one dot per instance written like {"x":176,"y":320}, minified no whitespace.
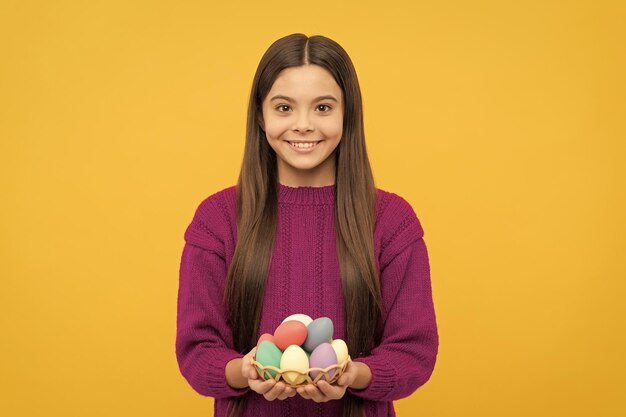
{"x":303,"y":145}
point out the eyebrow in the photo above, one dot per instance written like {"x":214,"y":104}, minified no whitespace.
{"x":327,"y":97}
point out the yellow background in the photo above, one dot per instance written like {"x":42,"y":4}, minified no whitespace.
{"x":502,"y":123}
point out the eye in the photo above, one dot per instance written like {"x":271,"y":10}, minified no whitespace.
{"x":325,"y":105}
{"x":281,"y":106}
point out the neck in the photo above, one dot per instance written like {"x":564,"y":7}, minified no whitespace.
{"x":320,"y":176}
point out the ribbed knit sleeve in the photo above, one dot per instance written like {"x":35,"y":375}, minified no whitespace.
{"x":204,"y":341}
{"x":405,"y":358}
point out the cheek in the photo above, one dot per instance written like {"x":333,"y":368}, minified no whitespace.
{"x":332,"y":128}
{"x":275,"y":127}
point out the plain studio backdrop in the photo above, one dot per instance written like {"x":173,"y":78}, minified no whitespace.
{"x":502,"y":123}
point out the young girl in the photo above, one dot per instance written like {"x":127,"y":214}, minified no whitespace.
{"x":305,"y":231}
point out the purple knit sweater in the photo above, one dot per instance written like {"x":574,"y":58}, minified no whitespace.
{"x":304,"y":278}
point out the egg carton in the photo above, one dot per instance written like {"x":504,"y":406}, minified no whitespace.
{"x":323,"y":373}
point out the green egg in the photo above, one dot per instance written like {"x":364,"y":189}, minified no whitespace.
{"x":268,"y":354}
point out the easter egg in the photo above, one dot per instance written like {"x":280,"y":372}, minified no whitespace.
{"x":294,"y":359}
{"x":322,"y":357}
{"x":306,"y":320}
{"x":319,"y":331}
{"x":291,"y":332}
{"x":265,"y":336}
{"x":341,"y":349}
{"x":268,"y":354}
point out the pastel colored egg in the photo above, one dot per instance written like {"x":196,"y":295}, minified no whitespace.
{"x":294,"y":359}
{"x":319,"y":331}
{"x":306,"y":320}
{"x":265,"y":336}
{"x":341,"y":349}
{"x":268,"y":354}
{"x":322,"y":357}
{"x":291,"y":332}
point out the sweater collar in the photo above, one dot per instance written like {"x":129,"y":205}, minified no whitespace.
{"x":306,"y":194}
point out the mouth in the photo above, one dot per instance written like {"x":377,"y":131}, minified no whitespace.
{"x":304,"y":145}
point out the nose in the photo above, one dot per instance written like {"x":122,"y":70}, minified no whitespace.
{"x":302,"y":123}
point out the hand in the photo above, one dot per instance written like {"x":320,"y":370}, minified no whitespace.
{"x":270,"y":389}
{"x":325,"y":392}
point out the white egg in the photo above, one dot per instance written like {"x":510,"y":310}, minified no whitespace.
{"x":300,"y":317}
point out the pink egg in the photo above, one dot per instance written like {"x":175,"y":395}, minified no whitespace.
{"x":291,"y":332}
{"x":323,"y":356}
{"x":265,"y":336}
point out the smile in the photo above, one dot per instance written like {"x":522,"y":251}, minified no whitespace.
{"x":304,"y":145}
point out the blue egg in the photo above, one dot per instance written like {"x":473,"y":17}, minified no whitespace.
{"x":318,"y":331}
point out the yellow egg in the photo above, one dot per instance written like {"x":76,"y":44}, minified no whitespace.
{"x":295,"y":359}
{"x":341,"y":349}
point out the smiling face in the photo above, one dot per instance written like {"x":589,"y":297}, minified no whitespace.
{"x":303,"y":123}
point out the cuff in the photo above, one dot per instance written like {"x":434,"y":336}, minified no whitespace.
{"x":383,"y":378}
{"x":215,"y":364}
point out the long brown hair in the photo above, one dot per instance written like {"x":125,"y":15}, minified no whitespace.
{"x":257,"y":204}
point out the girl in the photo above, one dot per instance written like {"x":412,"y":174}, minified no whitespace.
{"x":305,"y":231}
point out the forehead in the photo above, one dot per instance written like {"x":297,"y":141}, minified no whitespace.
{"x":305,"y":82}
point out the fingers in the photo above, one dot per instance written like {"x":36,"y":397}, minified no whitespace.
{"x":303,"y":393}
{"x":349,"y":375}
{"x":248,"y":370}
{"x":322,"y":393}
{"x":331,"y":392}
{"x":287,"y":393}
{"x":278,"y":390}
{"x":272,"y":390}
{"x":261,"y":386}
{"x":315,"y":394}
